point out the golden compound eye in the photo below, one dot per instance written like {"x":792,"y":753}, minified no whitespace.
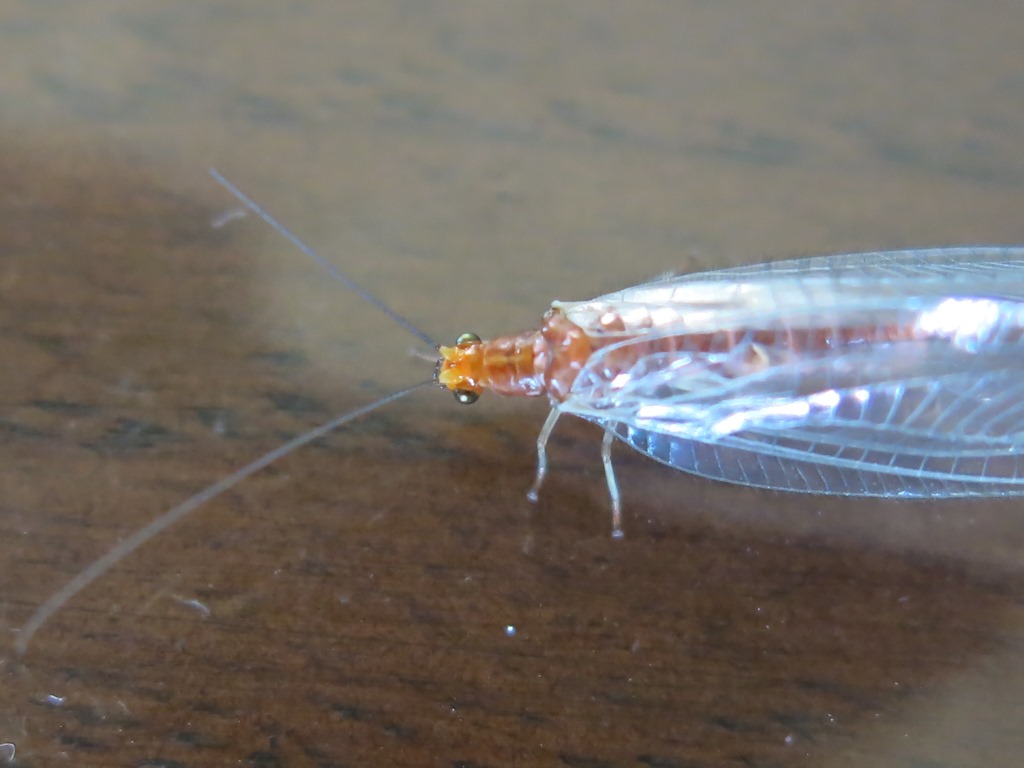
{"x":466,"y":396}
{"x":466,"y":338}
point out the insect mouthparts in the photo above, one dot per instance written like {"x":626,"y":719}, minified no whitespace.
{"x":461,"y":368}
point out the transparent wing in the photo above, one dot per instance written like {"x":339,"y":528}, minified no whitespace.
{"x":843,"y":288}
{"x":961,"y":437}
{"x":890,"y":266}
{"x":940,"y":416}
{"x":947,"y":430}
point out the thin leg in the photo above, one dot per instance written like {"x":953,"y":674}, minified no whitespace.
{"x":542,"y":454}
{"x":613,"y":486}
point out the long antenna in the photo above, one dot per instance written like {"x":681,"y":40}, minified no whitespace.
{"x":336,"y":273}
{"x":92,"y":572}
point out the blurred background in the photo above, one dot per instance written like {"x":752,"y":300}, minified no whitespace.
{"x":388,"y":596}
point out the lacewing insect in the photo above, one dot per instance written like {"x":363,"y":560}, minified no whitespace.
{"x":891,"y":374}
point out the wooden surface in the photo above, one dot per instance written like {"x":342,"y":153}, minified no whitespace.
{"x":388,"y":596}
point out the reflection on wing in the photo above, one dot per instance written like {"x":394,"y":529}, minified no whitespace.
{"x":851,"y":288}
{"x":947,"y":264}
{"x":935,"y":411}
{"x":956,"y":435}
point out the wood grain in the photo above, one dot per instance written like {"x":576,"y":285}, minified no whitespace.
{"x":387,"y":596}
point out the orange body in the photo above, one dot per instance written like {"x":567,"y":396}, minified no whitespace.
{"x":546,"y":362}
{"x":528,"y":364}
